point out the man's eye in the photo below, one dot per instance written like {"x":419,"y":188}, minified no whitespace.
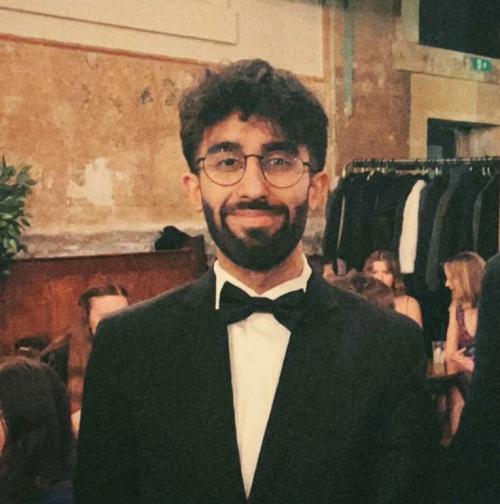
{"x":228,"y":162}
{"x":279,"y":162}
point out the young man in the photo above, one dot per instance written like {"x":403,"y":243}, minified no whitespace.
{"x":260,"y":382}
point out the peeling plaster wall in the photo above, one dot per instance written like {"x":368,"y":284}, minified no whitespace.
{"x":101,"y":132}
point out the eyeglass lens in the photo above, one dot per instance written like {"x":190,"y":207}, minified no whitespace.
{"x":280,"y":168}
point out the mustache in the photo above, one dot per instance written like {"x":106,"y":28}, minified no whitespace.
{"x":254,"y":205}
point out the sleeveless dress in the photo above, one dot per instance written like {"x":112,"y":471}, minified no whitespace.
{"x":465,"y":339}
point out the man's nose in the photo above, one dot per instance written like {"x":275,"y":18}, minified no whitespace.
{"x":253,"y":183}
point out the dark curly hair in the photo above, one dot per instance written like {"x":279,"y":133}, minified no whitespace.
{"x":254,"y":87}
{"x":34,"y":411}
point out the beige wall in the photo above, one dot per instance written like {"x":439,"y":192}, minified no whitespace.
{"x":288,"y":33}
{"x":483,"y":141}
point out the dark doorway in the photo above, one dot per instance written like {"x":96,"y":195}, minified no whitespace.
{"x":441,"y":139}
{"x":451,"y":139}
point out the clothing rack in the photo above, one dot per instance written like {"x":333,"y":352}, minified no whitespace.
{"x":488,"y":164}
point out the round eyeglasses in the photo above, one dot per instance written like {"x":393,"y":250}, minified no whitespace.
{"x":280,"y":169}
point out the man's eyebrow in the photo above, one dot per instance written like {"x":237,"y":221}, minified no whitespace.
{"x":285,"y":146}
{"x":224,"y":146}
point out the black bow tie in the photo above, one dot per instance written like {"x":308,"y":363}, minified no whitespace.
{"x":236,"y":305}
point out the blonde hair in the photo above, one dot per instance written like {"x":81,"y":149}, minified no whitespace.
{"x":466,"y":269}
{"x":398,"y":287}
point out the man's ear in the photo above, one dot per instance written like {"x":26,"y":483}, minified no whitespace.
{"x":191,"y":184}
{"x":318,"y":189}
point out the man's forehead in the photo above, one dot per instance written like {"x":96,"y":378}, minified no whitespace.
{"x":254,"y":132}
{"x":235,"y":123}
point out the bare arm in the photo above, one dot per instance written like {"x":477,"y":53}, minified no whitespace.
{"x":451,"y":338}
{"x":408,"y":306}
{"x":414,"y":311}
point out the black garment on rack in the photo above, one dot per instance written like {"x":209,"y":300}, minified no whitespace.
{"x":433,"y":274}
{"x":388,"y":210}
{"x":429,"y":200}
{"x":353,"y":202}
{"x":456,"y":230}
{"x":365,"y":213}
{"x":465,"y":239}
{"x":488,"y":220}
{"x":361,"y":198}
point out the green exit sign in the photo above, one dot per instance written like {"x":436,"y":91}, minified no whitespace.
{"x":481,"y":64}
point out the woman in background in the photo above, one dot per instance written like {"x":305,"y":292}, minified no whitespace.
{"x":36,"y":439}
{"x":464,"y":273}
{"x":383,"y":266}
{"x":69,"y":354}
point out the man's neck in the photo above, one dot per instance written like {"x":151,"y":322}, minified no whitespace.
{"x":262,"y":281}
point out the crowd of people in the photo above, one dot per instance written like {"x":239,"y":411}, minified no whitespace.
{"x":260,"y":381}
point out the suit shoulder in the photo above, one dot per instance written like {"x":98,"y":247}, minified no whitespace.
{"x":136,"y":324}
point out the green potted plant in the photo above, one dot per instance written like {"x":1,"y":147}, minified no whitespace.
{"x":15,"y":186}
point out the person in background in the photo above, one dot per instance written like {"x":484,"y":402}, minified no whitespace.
{"x":375,"y":291}
{"x":260,"y":382}
{"x":382,"y":265}
{"x":36,"y":439}
{"x":476,"y":447}
{"x":69,"y":355}
{"x":464,"y":273}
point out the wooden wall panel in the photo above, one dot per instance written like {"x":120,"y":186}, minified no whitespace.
{"x":41,"y":295}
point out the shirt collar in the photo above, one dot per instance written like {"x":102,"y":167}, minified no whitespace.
{"x":297,"y":283}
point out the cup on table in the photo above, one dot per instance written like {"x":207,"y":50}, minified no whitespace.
{"x":438,"y":356}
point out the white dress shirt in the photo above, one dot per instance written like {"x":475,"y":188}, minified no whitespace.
{"x":257,"y":347}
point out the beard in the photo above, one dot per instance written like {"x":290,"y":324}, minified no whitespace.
{"x":260,"y":250}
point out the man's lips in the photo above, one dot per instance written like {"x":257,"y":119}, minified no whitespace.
{"x":254,"y":218}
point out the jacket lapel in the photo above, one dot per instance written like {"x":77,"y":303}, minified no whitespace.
{"x":309,"y":357}
{"x":216,"y":412}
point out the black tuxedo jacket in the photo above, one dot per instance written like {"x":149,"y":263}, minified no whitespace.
{"x":350,"y":422}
